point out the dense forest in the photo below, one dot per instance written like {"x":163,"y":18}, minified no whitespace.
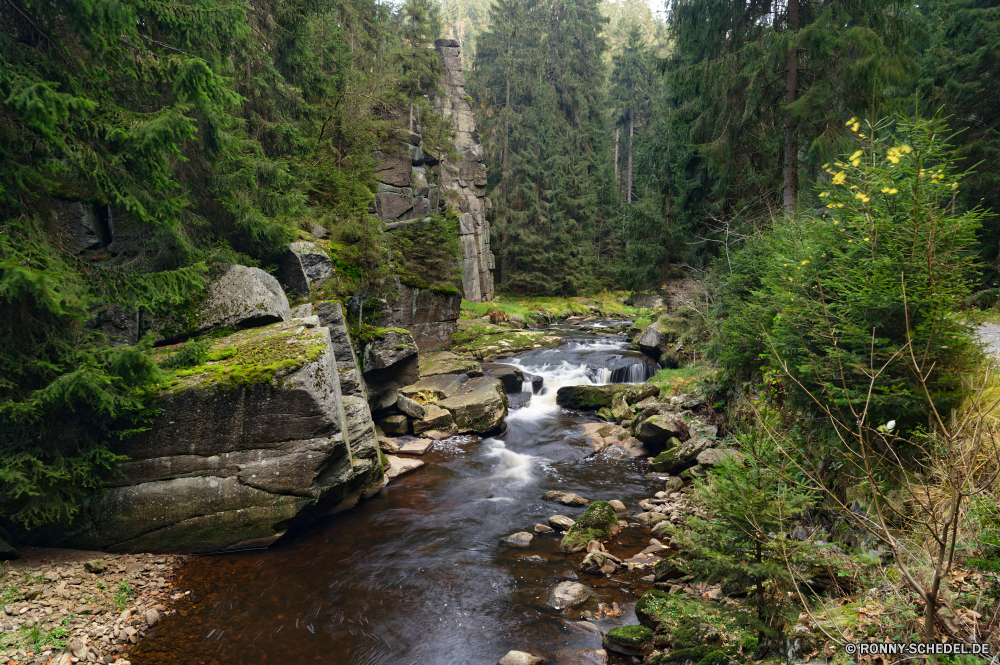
{"x":794,"y":204}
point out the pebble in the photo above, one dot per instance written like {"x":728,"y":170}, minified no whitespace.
{"x":543,"y":528}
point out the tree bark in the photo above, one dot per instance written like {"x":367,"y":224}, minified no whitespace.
{"x":791,"y":166}
{"x":631,"y":133}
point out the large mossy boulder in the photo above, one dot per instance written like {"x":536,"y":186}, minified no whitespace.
{"x":630,"y":640}
{"x":253,"y":440}
{"x":236,"y":297}
{"x":598,"y":523}
{"x":649,"y":609}
{"x":479,"y":406}
{"x":659,"y":428}
{"x":590,"y":397}
{"x":678,"y":455}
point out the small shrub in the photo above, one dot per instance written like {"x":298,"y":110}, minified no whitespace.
{"x":192,"y":354}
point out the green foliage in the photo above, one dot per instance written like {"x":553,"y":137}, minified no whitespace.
{"x":427,"y":255}
{"x":886,"y":266}
{"x":65,"y":396}
{"x":539,"y":83}
{"x":122,"y":595}
{"x":751,"y":509}
{"x":194,"y":352}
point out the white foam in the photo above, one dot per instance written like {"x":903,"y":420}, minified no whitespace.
{"x":513,"y":466}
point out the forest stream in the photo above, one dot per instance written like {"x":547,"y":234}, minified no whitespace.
{"x":421,"y":573}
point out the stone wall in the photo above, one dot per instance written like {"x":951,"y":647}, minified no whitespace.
{"x":467,"y":177}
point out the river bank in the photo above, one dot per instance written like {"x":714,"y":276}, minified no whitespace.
{"x":62,"y":606}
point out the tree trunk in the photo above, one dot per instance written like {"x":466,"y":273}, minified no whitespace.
{"x":791,"y":167}
{"x":631,"y":133}
{"x":411,"y":111}
{"x":618,"y":185}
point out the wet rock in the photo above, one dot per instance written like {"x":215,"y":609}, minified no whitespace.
{"x":656,"y":340}
{"x":417,"y":447}
{"x":387,"y":444}
{"x":511,"y":376}
{"x":581,"y":657}
{"x":543,"y":528}
{"x":618,"y":506}
{"x":561,"y":522}
{"x":599,"y":522}
{"x":435,"y":419}
{"x":303,"y":266}
{"x":394,"y":424}
{"x":152,"y":617}
{"x":522,"y":538}
{"x":674,"y":484}
{"x":659,"y":428}
{"x":630,"y":640}
{"x":400,"y":465}
{"x":480,"y":406}
{"x":446,"y":362}
{"x":565,"y":498}
{"x":439,"y":434}
{"x":520,"y":658}
{"x":568,"y":594}
{"x":661,"y":528}
{"x":595,"y":546}
{"x":598,"y":563}
{"x":583,"y":627}
{"x":237,"y":297}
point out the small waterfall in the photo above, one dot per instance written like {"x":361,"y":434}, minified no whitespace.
{"x":631,"y":370}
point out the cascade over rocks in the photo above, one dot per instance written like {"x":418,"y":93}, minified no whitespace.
{"x":243,"y":447}
{"x":237,"y":297}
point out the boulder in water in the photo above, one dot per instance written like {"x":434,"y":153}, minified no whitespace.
{"x":434,"y":418}
{"x":521,"y":538}
{"x":568,"y":594}
{"x":480,"y":406}
{"x":588,"y":397}
{"x":598,"y":563}
{"x":511,"y":376}
{"x":599,"y":523}
{"x":565,"y":498}
{"x":520,"y":658}
{"x":561,"y":522}
{"x":397,"y":424}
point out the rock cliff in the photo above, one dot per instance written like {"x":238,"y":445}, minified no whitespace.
{"x":467,"y":177}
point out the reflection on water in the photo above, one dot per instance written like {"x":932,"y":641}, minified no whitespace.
{"x":420,"y":573}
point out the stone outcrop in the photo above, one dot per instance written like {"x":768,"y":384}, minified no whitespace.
{"x":388,"y":364}
{"x":237,"y":297}
{"x":431,"y":317}
{"x":257,"y":438}
{"x":84,"y":226}
{"x":304,"y":265}
{"x":467,"y":177}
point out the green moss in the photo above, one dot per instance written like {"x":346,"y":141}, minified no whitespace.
{"x":693,"y":655}
{"x":250,"y":358}
{"x":383,"y":460}
{"x":633,"y":636}
{"x":597,"y":523}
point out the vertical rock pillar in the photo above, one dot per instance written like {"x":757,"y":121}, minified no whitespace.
{"x":466,"y":178}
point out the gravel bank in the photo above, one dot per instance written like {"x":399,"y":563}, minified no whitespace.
{"x":66,"y":606}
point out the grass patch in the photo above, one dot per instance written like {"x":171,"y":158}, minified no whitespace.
{"x":559,"y":308}
{"x":122,"y":595}
{"x":682,"y":380}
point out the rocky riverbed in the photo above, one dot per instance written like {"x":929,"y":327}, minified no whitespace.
{"x":63,"y":606}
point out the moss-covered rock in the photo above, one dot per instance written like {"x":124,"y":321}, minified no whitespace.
{"x":648,"y":609}
{"x":629,"y":640}
{"x":599,"y":523}
{"x":252,"y":440}
{"x":486,"y":342}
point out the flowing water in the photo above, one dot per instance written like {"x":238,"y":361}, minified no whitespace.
{"x":420,"y":573}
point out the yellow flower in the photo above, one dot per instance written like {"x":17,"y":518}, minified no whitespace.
{"x":861,"y":195}
{"x":855,"y":126}
{"x":805,"y":262}
{"x":824,"y":254}
{"x":838,"y":178}
{"x":855,"y":162}
{"x":893,"y":158}
{"x":856,"y":155}
{"x":905,"y":149}
{"x":822,"y":194}
{"x":825,"y":165}
{"x":867,"y":239}
{"x":893,"y":191}
{"x":835,"y":221}
{"x":954,"y":185}
{"x":850,"y":121}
